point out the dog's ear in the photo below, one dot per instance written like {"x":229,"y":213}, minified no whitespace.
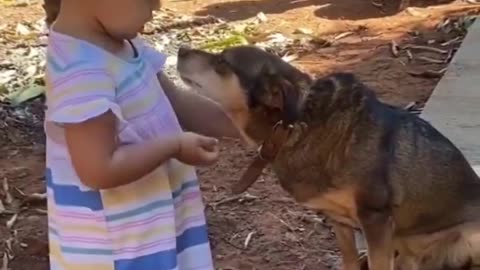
{"x":278,"y":93}
{"x":290,"y":97}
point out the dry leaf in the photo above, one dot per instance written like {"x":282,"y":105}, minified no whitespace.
{"x":7,"y":76}
{"x":261,"y":17}
{"x":33,"y":91}
{"x":22,"y":30}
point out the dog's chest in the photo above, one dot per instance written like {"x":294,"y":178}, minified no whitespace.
{"x":309,"y":185}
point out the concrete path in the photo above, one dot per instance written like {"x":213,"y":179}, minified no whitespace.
{"x":454,"y":107}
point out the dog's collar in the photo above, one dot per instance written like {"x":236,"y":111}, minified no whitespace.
{"x":266,"y":154}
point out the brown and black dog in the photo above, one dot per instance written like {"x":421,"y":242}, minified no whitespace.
{"x":365,"y":164}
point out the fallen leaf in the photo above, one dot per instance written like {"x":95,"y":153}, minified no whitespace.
{"x":304,"y":31}
{"x":22,"y":30}
{"x":31,"y":71}
{"x":33,"y":91}
{"x":7,"y":76}
{"x":261,"y":17}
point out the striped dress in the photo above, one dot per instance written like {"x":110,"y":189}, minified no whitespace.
{"x":154,"y":223}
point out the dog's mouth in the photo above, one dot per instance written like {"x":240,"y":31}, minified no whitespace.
{"x":190,"y":82}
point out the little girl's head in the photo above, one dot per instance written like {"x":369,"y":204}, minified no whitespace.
{"x":121,"y":19}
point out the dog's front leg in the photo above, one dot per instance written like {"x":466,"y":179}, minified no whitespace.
{"x":378,"y":230}
{"x":346,"y":243}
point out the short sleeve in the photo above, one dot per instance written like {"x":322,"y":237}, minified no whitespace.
{"x":77,"y":94}
{"x":154,"y":57}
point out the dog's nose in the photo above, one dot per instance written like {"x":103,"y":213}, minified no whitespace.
{"x":183,"y":50}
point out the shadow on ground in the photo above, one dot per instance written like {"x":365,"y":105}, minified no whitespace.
{"x":327,"y":9}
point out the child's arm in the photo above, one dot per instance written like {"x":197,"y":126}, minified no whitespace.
{"x":197,"y":113}
{"x":101,"y":163}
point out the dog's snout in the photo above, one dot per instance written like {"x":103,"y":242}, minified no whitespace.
{"x":183,"y":51}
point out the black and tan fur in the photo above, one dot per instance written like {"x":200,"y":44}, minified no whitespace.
{"x":51,"y":8}
{"x":365,"y":164}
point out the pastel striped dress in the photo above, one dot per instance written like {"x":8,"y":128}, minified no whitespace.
{"x":155,"y":223}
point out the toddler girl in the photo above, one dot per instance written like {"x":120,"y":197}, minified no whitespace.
{"x":122,"y":192}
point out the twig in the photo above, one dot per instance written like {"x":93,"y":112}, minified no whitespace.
{"x":283,"y":222}
{"x":8,"y":248}
{"x":8,"y":196}
{"x":41,"y":211}
{"x":376,"y":4}
{"x":428,"y":73}
{"x":231,"y":199}
{"x":450,"y":55}
{"x":20,"y":191}
{"x":5,"y":261}
{"x":35,"y":197}
{"x":425,"y":48}
{"x":409,"y":55}
{"x":453,"y":40}
{"x":247,"y":240}
{"x":231,"y":244}
{"x":12,"y":221}
{"x":2,"y":207}
{"x":7,"y":212}
{"x":342,"y":35}
{"x":431,"y":60}
{"x":394,"y":48}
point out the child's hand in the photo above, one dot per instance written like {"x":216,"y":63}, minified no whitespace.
{"x":197,"y":150}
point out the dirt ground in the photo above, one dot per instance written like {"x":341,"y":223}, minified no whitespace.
{"x":283,"y":235}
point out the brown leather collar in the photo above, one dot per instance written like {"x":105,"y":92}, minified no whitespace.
{"x":266,"y":154}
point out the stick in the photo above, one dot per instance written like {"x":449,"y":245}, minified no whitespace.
{"x":247,"y":240}
{"x":394,"y":48}
{"x":377,"y":5}
{"x":453,"y":40}
{"x":409,"y":55}
{"x":428,"y":73}
{"x":431,"y":60}
{"x":426,"y":48}
{"x":283,"y":222}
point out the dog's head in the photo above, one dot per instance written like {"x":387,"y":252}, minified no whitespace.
{"x":256,"y":88}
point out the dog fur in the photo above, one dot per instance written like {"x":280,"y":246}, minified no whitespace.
{"x":51,"y":8}
{"x":365,"y":164}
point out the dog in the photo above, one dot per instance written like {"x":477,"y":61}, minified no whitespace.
{"x":366,"y":165}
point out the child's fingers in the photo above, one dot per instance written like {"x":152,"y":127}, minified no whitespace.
{"x":208,"y":143}
{"x":210,"y":157}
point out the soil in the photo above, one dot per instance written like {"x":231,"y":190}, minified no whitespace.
{"x":282,"y":234}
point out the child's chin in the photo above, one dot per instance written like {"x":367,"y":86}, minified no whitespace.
{"x":130,"y":35}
